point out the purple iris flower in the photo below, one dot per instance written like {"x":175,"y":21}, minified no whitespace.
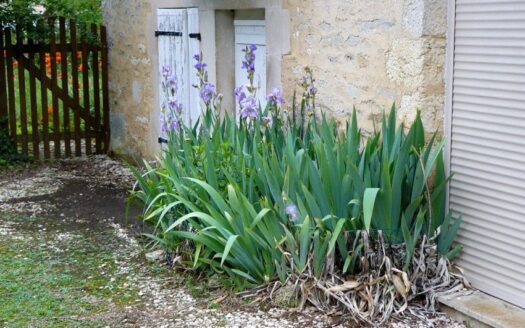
{"x":249,"y":66}
{"x":163,"y":123}
{"x":169,"y":120}
{"x":174,"y":125}
{"x":275,"y":97}
{"x":174,"y":105}
{"x":172,"y":101}
{"x":171,"y":83}
{"x":248,"y":108}
{"x":171,"y":109}
{"x":207,"y":92}
{"x":198,"y":56}
{"x":178,"y":108}
{"x":166,"y":70}
{"x":249,"y":58}
{"x":200,"y":66}
{"x":292,"y":212}
{"x":239,"y":94}
{"x":312,"y":90}
{"x":267,"y":120}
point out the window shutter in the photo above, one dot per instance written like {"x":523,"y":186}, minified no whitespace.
{"x":176,"y":50}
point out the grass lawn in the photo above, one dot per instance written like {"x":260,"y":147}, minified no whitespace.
{"x":55,"y":276}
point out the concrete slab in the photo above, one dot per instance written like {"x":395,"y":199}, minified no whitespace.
{"x":481,"y":310}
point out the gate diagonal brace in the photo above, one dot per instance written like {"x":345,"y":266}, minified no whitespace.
{"x":49,"y":84}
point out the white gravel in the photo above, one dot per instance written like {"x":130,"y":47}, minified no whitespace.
{"x":161,"y":303}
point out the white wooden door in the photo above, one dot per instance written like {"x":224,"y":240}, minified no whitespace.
{"x":249,"y":32}
{"x":176,"y":49}
{"x":487,"y":142}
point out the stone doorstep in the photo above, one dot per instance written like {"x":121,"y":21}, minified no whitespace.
{"x":481,"y":310}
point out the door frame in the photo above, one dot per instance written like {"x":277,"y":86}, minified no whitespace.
{"x":277,"y":24}
{"x":449,"y":88}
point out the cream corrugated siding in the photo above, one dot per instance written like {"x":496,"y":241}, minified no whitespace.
{"x":488,"y":144}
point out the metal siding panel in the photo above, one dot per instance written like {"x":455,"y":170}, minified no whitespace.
{"x":495,"y":68}
{"x":459,"y":196}
{"x":485,"y":216}
{"x":510,"y":193}
{"x":482,"y":168}
{"x":492,"y":130}
{"x":466,"y":154}
{"x":487,"y":151}
{"x":508,"y":24}
{"x":489,"y":6}
{"x":515,"y":161}
{"x":479,"y":108}
{"x":491,"y":33}
{"x":484,"y":192}
{"x":472,"y":136}
{"x":484,"y":92}
{"x":489,"y":176}
{"x":490,"y":16}
{"x":503,"y":104}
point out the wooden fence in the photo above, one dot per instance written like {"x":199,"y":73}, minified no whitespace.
{"x":54,"y":92}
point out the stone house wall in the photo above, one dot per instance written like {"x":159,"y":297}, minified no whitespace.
{"x":366,"y":54}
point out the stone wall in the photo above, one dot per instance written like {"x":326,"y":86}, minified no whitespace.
{"x":366,"y":54}
{"x":131,"y":80}
{"x":370,"y":54}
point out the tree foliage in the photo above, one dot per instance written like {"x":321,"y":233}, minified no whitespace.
{"x":24,"y":14}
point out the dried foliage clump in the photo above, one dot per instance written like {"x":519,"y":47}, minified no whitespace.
{"x":379,"y":290}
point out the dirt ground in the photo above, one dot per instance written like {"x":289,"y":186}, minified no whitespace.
{"x":71,"y":257}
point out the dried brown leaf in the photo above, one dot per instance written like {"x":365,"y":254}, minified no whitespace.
{"x":400,"y":286}
{"x":347,"y":285}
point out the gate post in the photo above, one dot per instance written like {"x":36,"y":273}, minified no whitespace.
{"x":3,"y":91}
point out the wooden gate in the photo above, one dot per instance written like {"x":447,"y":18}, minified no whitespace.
{"x":54,"y":92}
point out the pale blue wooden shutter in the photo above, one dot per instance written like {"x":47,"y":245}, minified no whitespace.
{"x":177,"y":50}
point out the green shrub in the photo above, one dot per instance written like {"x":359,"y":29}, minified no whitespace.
{"x":296,"y":200}
{"x":9,"y":154}
{"x":381,"y":187}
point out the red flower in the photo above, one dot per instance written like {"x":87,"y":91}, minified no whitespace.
{"x":49,"y":112}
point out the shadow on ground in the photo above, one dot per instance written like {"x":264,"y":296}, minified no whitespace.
{"x":70,"y":257}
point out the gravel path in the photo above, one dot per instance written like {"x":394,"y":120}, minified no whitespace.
{"x":61,"y":205}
